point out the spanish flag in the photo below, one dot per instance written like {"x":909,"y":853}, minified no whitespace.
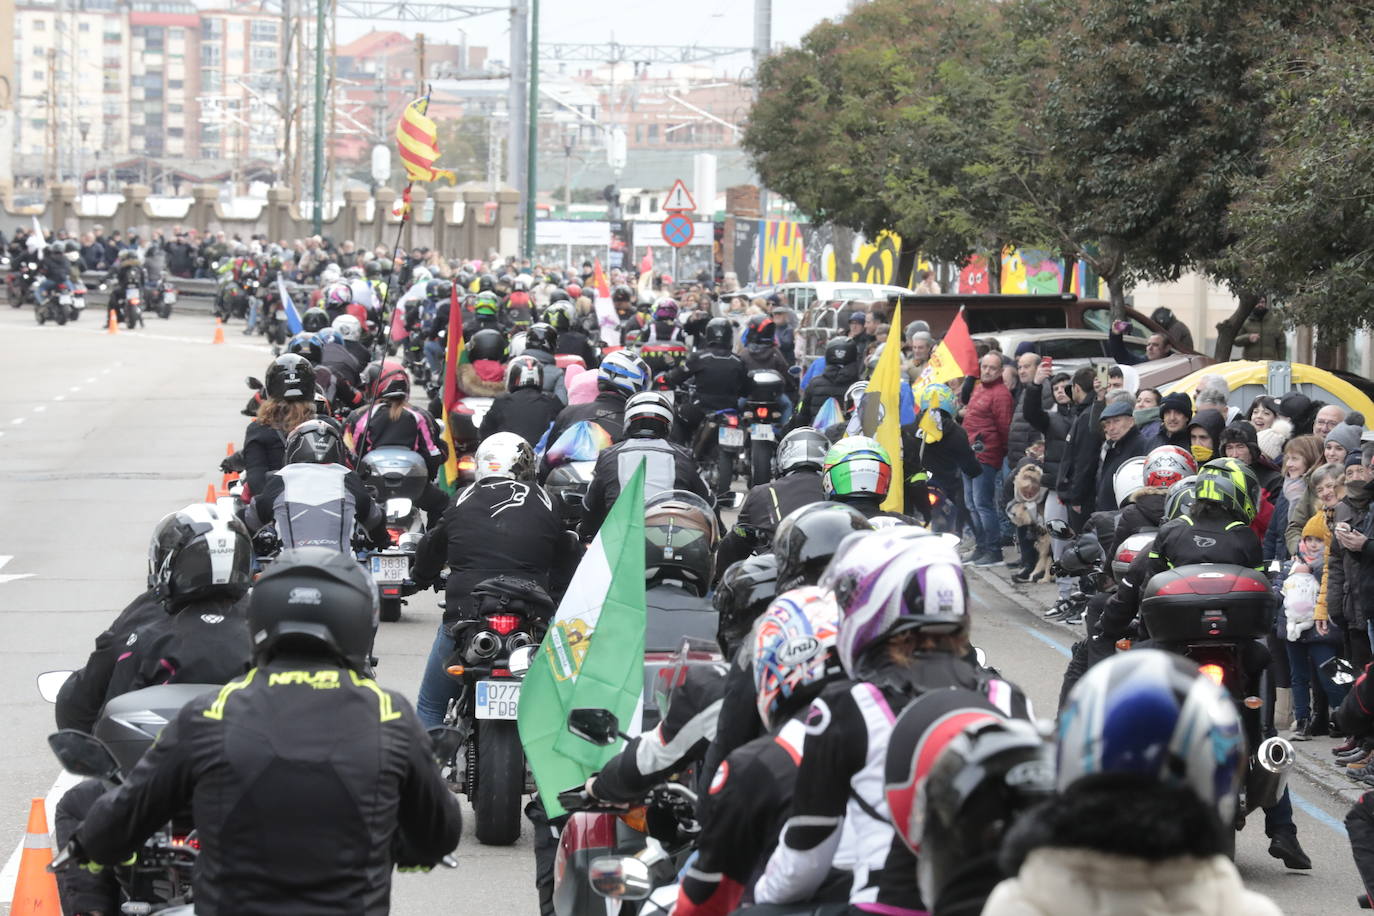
{"x":417,"y":140}
{"x":954,"y":358}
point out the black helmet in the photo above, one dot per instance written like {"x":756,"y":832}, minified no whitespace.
{"x":622,"y":293}
{"x":438,"y":289}
{"x":72,"y":245}
{"x":806,"y":538}
{"x":761,"y":329}
{"x":372,"y":268}
{"x":559,"y":317}
{"x":315,"y":319}
{"x":802,"y":448}
{"x":720,"y":332}
{"x":486,"y":283}
{"x":541,"y":336}
{"x":679,"y":540}
{"x":743,"y":593}
{"x":315,"y":442}
{"x":648,"y":414}
{"x":840,"y":351}
{"x":1180,"y":498}
{"x":291,"y":377}
{"x":957,"y":776}
{"x":559,"y":295}
{"x":197,"y":552}
{"x":489,"y":343}
{"x":524,"y":372}
{"x":316,"y":601}
{"x":308,"y":345}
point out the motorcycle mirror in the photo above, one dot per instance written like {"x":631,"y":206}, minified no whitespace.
{"x":598,"y":726}
{"x":83,"y":755}
{"x":620,"y":877}
{"x":732,"y":500}
{"x":520,"y":660}
{"x":980,"y":656}
{"x":50,"y":684}
{"x":1058,"y":528}
{"x":253,"y":383}
{"x":445,"y":740}
{"x":795,"y":371}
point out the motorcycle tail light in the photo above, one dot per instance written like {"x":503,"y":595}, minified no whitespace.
{"x":1215,"y":672}
{"x":637,"y":818}
{"x":763,"y":413}
{"x":500,"y":672}
{"x":466,"y":463}
{"x":503,"y":623}
{"x":395,"y":531}
{"x":732,"y":420}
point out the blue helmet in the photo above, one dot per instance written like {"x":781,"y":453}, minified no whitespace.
{"x":623,"y":371}
{"x":937,"y":395}
{"x":1151,"y":714}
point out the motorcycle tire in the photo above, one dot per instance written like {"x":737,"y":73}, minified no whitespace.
{"x":760,"y":462}
{"x":60,"y":315}
{"x":500,"y":782}
{"x":390,"y":610}
{"x":40,"y":314}
{"x":164,"y":312}
{"x":725,"y":469}
{"x":73,"y":313}
{"x":130,"y":317}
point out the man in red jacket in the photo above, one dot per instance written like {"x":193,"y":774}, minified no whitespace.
{"x":987,"y":420}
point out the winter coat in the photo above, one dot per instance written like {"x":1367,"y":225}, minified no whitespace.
{"x":1298,"y":514}
{"x":988,"y":415}
{"x":1275,"y":546}
{"x":1021,"y":432}
{"x":1113,"y":457}
{"x":1043,"y":413}
{"x":1349,"y":580}
{"x":1269,"y":327}
{"x":1082,"y":882}
{"x":1078,"y":471}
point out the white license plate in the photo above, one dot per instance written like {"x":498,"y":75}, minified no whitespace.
{"x":169,"y":298}
{"x":281,"y":314}
{"x":65,"y":299}
{"x":731,"y":437}
{"x":389,"y":568}
{"x":132,"y":296}
{"x":497,"y":700}
{"x":762,"y":432}
{"x":80,"y":302}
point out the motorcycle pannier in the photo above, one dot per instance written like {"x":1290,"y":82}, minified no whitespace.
{"x":1207,"y":601}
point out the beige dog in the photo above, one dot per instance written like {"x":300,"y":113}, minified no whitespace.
{"x":1027,"y":509}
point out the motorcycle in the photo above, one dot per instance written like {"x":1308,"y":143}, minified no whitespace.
{"x":491,"y":656}
{"x":54,"y":305}
{"x":162,"y":295}
{"x":19,"y":279}
{"x":762,"y":413}
{"x":78,"y":301}
{"x":396,"y":477}
{"x":133,"y":307}
{"x":722,"y":441}
{"x":1212,"y":613}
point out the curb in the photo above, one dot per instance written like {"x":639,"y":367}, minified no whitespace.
{"x":1314,"y":767}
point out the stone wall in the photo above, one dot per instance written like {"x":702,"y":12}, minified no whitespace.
{"x":464,"y":223}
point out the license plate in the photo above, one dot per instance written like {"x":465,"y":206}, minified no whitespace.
{"x":281,"y":314}
{"x":65,"y":299}
{"x":169,"y":298}
{"x":80,"y":302}
{"x":762,"y":432}
{"x":497,"y":700}
{"x":132,"y":296}
{"x":731,"y":437}
{"x":390,"y":568}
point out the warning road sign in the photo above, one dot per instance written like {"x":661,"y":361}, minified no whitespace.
{"x":679,"y":199}
{"x":677,"y":230}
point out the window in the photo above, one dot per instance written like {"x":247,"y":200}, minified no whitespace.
{"x":176,"y":132}
{"x":38,"y":52}
{"x":113,"y":38}
{"x":177,"y":34}
{"x":236,"y":53}
{"x":84,"y":27}
{"x":175,"y":108}
{"x":38,"y":74}
{"x":653,"y":133}
{"x":176,"y":84}
{"x":264,"y":30}
{"x":210,"y":55}
{"x":211,"y":29}
{"x":264,"y":58}
{"x":40,"y":25}
{"x":639,"y":133}
{"x":211,"y":81}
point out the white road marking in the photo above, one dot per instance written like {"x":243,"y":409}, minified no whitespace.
{"x":12,"y":576}
{"x":74,"y":388}
{"x":91,"y":380}
{"x":60,"y":397}
{"x":10,"y":873}
{"x":39,"y":408}
{"x":17,"y":420}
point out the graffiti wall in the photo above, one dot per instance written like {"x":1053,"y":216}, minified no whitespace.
{"x":764,"y":252}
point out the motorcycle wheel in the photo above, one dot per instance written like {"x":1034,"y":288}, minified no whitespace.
{"x":130,"y":316}
{"x":725,"y":469}
{"x":500,"y":782}
{"x":760,"y":462}
{"x":60,"y":314}
{"x":164,"y":311}
{"x":390,"y":610}
{"x":40,"y":314}
{"x":73,"y":313}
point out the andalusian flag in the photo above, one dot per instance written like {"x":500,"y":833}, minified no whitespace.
{"x":454,"y":356}
{"x":592,"y":655}
{"x":954,"y":357}
{"x":882,"y":406}
{"x":417,"y":139}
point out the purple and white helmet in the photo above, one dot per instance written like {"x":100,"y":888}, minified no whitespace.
{"x":885,"y":584}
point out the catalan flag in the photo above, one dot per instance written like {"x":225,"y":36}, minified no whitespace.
{"x":454,"y":355}
{"x":417,"y":140}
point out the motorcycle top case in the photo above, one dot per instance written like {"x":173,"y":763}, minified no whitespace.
{"x":1207,"y":601}
{"x":130,"y":723}
{"x":397,"y":472}
{"x":765,"y":386}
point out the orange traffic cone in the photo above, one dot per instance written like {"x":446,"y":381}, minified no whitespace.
{"x":35,"y":891}
{"x":219,"y":332}
{"x":210,"y":494}
{"x":114,"y":324}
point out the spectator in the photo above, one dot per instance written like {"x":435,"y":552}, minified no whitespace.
{"x":927,"y":285}
{"x":1305,"y":506}
{"x":920,"y":345}
{"x":857,"y":333}
{"x":1349,"y":584}
{"x":1239,"y":440}
{"x":1021,"y":431}
{"x":1328,"y":418}
{"x":1263,"y":411}
{"x":1048,"y":407}
{"x":1123,"y":442}
{"x":1214,"y":399}
{"x":1300,"y":411}
{"x":1204,"y":436}
{"x":1156,"y":346}
{"x":1147,"y":414}
{"x":1175,"y":411}
{"x":784,"y":332}
{"x":1178,"y":331}
{"x":987,"y":420}
{"x":92,"y":253}
{"x":1307,"y":647}
{"x":1077,"y":484}
{"x":1261,"y":335}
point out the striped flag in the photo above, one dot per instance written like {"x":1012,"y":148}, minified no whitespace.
{"x":455,"y":354}
{"x":592,"y":654}
{"x":603,"y":289}
{"x":417,"y":140}
{"x":293,"y":317}
{"x":954,"y":358}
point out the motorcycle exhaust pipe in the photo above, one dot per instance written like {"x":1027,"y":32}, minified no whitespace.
{"x":1268,"y":773}
{"x":483,"y":645}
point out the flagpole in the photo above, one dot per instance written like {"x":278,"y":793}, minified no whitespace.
{"x":387,"y":319}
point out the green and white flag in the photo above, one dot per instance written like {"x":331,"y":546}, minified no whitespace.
{"x":592,"y":655}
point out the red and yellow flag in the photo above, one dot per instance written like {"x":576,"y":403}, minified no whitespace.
{"x":417,"y":140}
{"x":603,"y":289}
{"x":455,"y":354}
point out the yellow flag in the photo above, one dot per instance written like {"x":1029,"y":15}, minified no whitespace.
{"x":882,"y":408}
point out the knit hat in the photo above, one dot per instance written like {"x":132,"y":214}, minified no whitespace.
{"x":1177,"y":401}
{"x":1295,"y":405}
{"x":1354,"y":459}
{"x":1244,"y":432}
{"x":1316,"y":526}
{"x":1273,"y":439}
{"x":1346,"y":436}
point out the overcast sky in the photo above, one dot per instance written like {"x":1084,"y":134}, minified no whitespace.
{"x":697,"y":22}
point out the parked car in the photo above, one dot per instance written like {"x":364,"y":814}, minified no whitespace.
{"x":825,"y":308}
{"x":1071,"y":348}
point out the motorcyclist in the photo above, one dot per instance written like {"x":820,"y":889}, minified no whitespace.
{"x":842,"y":368}
{"x":858,"y":472}
{"x":128,"y":273}
{"x":541,"y":342}
{"x":54,"y":270}
{"x":289,"y":387}
{"x":486,"y":314}
{"x":1216,"y":529}
{"x":483,"y":374}
{"x":526,"y":409}
{"x":663,"y":342}
{"x":619,"y":376}
{"x":344,"y":352}
{"x":717,"y":377}
{"x":339,"y":394}
{"x":793,"y":658}
{"x":264,"y":769}
{"x":648,"y":420}
{"x":392,"y":420}
{"x":572,"y":338}
{"x":1142,"y":813}
{"x":504,"y":524}
{"x":761,"y":350}
{"x":903,"y":632}
{"x":315,"y":500}
{"x":936,"y":452}
{"x":798,"y":461}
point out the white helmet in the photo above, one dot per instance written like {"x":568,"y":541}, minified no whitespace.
{"x":1128,"y":478}
{"x":504,"y":455}
{"x":517,"y":344}
{"x":330,"y":274}
{"x":421,"y":275}
{"x":349,"y":327}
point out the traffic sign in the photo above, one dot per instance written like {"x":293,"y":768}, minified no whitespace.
{"x":679,"y":199}
{"x":677,"y":230}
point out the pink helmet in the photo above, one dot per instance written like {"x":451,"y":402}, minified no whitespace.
{"x":338,"y":295}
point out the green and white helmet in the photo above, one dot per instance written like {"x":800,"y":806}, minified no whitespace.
{"x":856,"y":466}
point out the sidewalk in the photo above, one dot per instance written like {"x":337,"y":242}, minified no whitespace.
{"x":1313,"y":758}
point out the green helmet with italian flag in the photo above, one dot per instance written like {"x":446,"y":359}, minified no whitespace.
{"x":856,"y":466}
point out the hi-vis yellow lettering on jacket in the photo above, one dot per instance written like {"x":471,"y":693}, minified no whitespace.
{"x":320,"y":680}
{"x":216,"y":710}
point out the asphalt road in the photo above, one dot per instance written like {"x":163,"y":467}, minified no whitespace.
{"x":101,"y":436}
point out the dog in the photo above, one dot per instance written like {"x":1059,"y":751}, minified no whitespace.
{"x":1027,"y":509}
